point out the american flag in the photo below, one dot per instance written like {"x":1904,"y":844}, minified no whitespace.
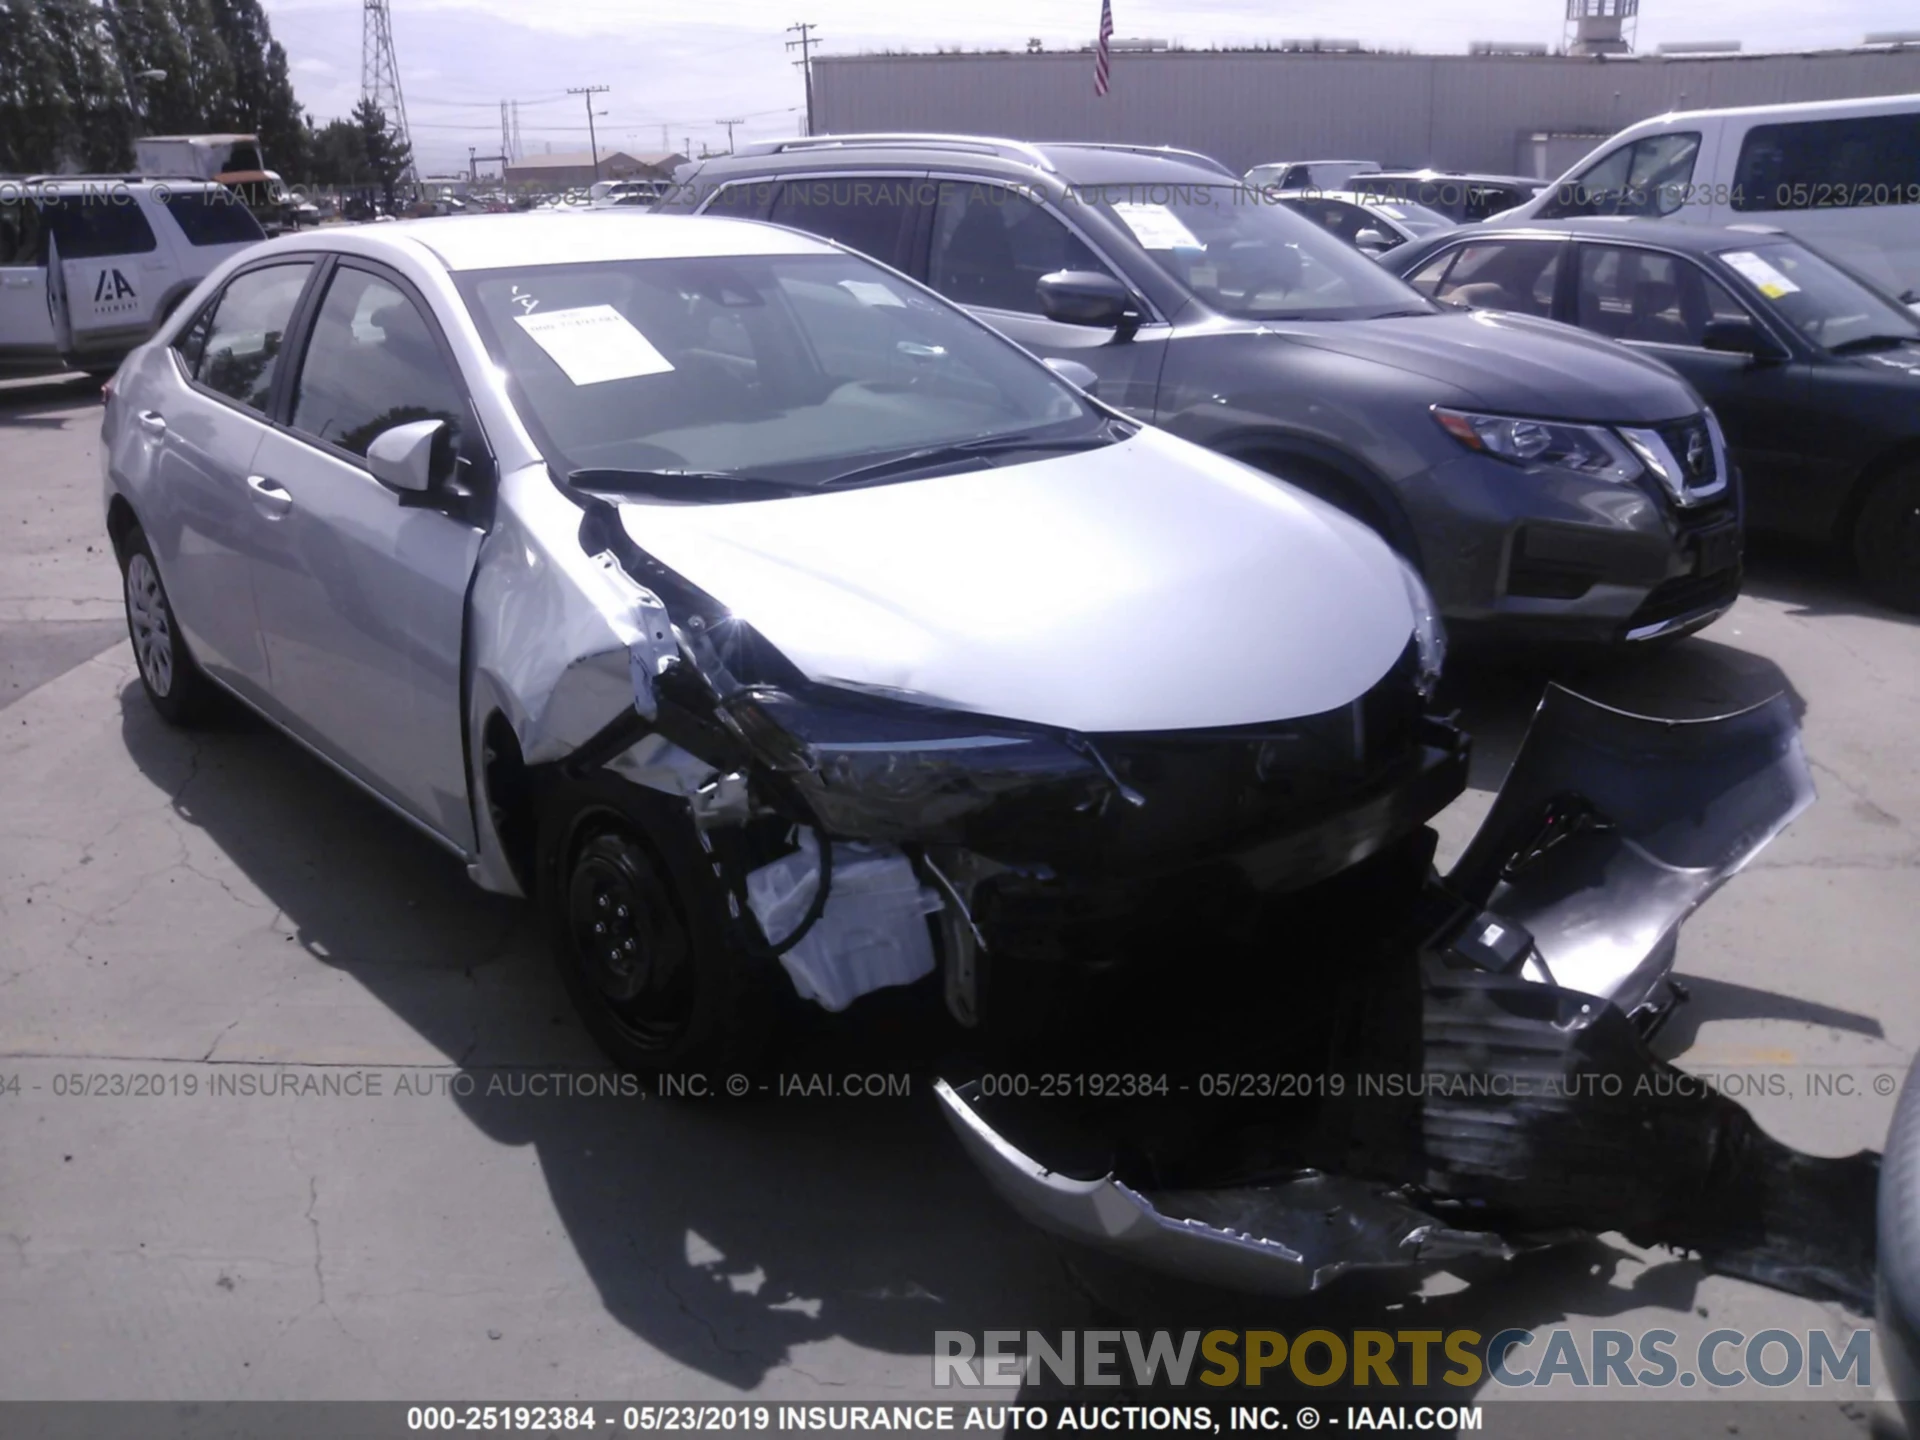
{"x":1102,"y":58}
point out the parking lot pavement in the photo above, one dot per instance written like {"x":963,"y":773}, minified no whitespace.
{"x":189,"y":917}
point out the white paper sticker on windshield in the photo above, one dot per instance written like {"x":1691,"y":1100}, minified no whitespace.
{"x":871,"y":292}
{"x":594,"y":343}
{"x":1767,"y":280}
{"x":1155,"y":226}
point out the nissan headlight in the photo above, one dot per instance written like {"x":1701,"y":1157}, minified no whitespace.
{"x":1429,"y":633}
{"x":1591,"y":450}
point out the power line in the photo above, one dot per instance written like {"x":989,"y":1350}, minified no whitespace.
{"x":805,"y":45}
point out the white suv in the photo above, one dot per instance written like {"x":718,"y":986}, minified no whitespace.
{"x":90,"y":265}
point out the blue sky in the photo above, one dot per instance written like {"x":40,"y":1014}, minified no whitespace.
{"x":686,"y":67}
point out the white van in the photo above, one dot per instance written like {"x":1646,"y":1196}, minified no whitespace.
{"x":1843,"y":175}
{"x":90,"y":265}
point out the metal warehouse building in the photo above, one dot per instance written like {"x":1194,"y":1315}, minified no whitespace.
{"x":1455,"y":112}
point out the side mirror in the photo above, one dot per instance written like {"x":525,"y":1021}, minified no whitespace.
{"x":1086,"y":297}
{"x":1074,"y":373}
{"x":1738,"y":336}
{"x":1371,"y":239}
{"x":404,"y":457}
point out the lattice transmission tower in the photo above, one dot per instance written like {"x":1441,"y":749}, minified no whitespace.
{"x":380,"y":74}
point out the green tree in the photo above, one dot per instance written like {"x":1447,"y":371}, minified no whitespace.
{"x":261,"y":99}
{"x":36,"y":113}
{"x":337,"y":155}
{"x":148,"y":36}
{"x":388,"y":157}
{"x":100,"y":111}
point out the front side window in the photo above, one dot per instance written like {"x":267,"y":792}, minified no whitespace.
{"x":20,"y":234}
{"x":1651,"y":176}
{"x":1823,"y":164}
{"x":1513,"y":275}
{"x":1246,"y":256}
{"x":372,"y":364}
{"x":235,"y":347}
{"x":96,"y":222}
{"x":865,"y":214}
{"x":742,"y":200}
{"x":213,"y":217}
{"x":991,"y":246}
{"x":792,"y":369}
{"x":1627,"y":293}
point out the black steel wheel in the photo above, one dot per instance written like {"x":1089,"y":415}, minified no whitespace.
{"x":640,"y":930}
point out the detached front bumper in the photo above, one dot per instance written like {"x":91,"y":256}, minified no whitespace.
{"x":1498,"y":1091}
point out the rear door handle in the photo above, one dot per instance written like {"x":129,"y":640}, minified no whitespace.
{"x":153,"y":422}
{"x":269,"y":498}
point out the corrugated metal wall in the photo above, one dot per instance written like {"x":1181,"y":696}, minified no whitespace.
{"x":1457,"y":112}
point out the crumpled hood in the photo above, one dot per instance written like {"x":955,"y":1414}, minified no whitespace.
{"x":1515,"y":364}
{"x":1149,"y":585}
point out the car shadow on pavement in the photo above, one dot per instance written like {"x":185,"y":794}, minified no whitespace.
{"x":728,"y":1234}
{"x":1812,"y":579}
{"x":731,"y":1234}
{"x":38,"y":402}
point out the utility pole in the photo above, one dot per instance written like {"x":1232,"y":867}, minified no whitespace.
{"x":805,"y":45}
{"x":729,"y":124}
{"x":589,"y":91}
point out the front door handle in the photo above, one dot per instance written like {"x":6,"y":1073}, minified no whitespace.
{"x":270,"y":499}
{"x":153,"y":422}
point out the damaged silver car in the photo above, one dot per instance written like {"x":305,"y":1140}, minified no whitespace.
{"x":774,"y":625}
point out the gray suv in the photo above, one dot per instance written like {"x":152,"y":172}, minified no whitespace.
{"x":1546,"y":482}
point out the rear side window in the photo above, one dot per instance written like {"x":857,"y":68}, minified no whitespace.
{"x":1515,"y":275}
{"x":236,"y":349}
{"x":98,"y":223}
{"x":372,"y":364}
{"x":213,"y":217}
{"x":1828,"y":164}
{"x":867,"y":214}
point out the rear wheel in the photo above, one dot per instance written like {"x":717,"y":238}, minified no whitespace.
{"x":641,"y":934}
{"x":1886,"y":540}
{"x":173,"y":682}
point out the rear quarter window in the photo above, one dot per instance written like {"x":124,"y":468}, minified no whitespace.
{"x":96,"y":224}
{"x":1830,"y":164}
{"x":213,"y":217}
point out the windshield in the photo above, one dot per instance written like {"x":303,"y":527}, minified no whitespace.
{"x":1817,"y":298}
{"x":785,"y":368}
{"x":1244,"y":253}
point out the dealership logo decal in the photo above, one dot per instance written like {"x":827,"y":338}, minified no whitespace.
{"x":113,"y":288}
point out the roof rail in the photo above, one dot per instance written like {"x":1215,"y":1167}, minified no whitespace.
{"x":1167,"y":151}
{"x":131,"y":179}
{"x":975,"y":144}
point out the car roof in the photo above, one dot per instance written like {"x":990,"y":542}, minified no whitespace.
{"x":486,"y":242}
{"x":1668,"y":234}
{"x":1476,"y":177}
{"x":1083,"y":162}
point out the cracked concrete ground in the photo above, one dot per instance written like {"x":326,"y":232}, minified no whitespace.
{"x":189,"y":918}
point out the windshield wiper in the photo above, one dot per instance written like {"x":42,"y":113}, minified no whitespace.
{"x":706,"y":486}
{"x":964,"y":450}
{"x":1860,"y":344}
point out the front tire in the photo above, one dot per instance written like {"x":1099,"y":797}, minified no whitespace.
{"x":640,"y":931}
{"x":1886,"y":540}
{"x":173,"y":681}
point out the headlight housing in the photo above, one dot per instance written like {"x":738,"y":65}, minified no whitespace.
{"x":1591,"y":450}
{"x":1429,"y":633}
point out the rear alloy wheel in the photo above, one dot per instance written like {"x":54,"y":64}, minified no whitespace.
{"x":1886,"y":540}
{"x":168,"y":674}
